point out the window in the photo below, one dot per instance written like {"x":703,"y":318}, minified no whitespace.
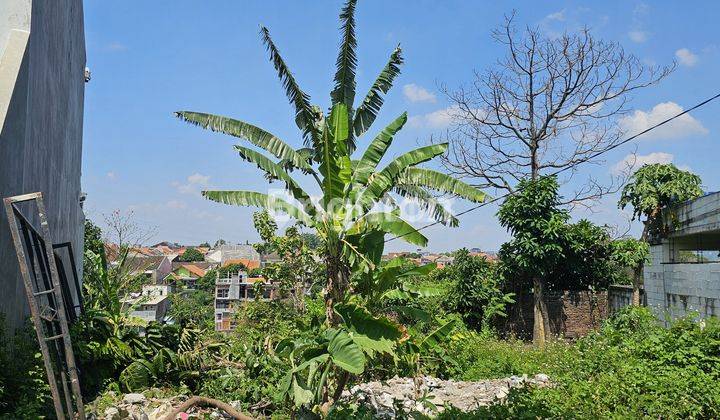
{"x":218,"y":317}
{"x":223,"y":293}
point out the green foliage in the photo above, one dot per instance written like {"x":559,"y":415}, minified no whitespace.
{"x":566,"y":256}
{"x":632,"y":368}
{"x":655,"y":187}
{"x":630,"y":253}
{"x":192,"y":308}
{"x":297,"y":270}
{"x":588,"y":261}
{"x":24,"y":392}
{"x":191,"y":255}
{"x":477,"y":289}
{"x":538,"y":225}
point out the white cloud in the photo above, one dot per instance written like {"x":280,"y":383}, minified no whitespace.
{"x":686,"y":57}
{"x":559,"y":15}
{"x":415,"y":93}
{"x":112,"y":175}
{"x":632,"y":162}
{"x":638,"y":36}
{"x":116,"y":46}
{"x":683,"y":126}
{"x":442,"y":118}
{"x":194,"y":183}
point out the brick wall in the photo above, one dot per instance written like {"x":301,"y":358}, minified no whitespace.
{"x":572,"y":314}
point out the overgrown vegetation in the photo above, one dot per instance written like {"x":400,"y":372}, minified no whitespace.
{"x":345,"y":315}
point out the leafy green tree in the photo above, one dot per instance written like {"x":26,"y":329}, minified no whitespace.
{"x":477,"y":291}
{"x":651,"y":189}
{"x":588,"y":259}
{"x":220,"y":242}
{"x":191,"y":255}
{"x":654,"y":188}
{"x":204,"y":245}
{"x":538,"y":225}
{"x":633,"y":254}
{"x":298,"y":268}
{"x":351,"y":231}
{"x":192,"y":308}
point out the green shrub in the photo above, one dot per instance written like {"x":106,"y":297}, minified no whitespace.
{"x":24,"y":392}
{"x":631,"y":368}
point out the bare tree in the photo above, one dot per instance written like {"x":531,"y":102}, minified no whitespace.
{"x":548,"y":105}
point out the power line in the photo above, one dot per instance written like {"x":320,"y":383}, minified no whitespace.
{"x":572,"y":165}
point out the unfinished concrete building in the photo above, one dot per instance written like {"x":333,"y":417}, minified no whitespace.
{"x":683,"y":276}
{"x":42,"y":82}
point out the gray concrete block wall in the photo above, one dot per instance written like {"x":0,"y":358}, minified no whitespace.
{"x":41,"y":137}
{"x":677,"y":290}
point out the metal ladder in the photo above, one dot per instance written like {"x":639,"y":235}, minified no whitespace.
{"x":44,"y":291}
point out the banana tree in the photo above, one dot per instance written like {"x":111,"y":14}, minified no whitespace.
{"x":345,"y":216}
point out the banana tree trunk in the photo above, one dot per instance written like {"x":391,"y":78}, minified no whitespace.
{"x":541,"y":324}
{"x":337,"y":282}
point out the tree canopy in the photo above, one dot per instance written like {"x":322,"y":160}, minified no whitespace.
{"x":653,"y":188}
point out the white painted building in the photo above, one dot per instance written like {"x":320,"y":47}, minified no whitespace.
{"x":151,"y":304}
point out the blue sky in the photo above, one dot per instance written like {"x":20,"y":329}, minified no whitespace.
{"x":149,"y":59}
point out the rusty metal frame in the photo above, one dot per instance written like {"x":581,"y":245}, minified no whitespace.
{"x":38,"y":268}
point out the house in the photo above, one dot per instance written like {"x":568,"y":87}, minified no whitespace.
{"x":490,"y":256}
{"x":444,"y":261}
{"x":249,"y":264}
{"x":156,"y":268}
{"x":232,"y":290}
{"x":427,"y":259}
{"x":186,"y":274}
{"x":150,"y":305}
{"x":225,"y":253}
{"x":683,"y":275}
{"x":42,"y":85}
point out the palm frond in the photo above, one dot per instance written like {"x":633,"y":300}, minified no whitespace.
{"x":381,"y":182}
{"x":304,"y":114}
{"x":427,"y":202}
{"x":249,"y":132}
{"x":376,"y":150}
{"x":256,"y":199}
{"x":388,"y":223}
{"x":368,"y":110}
{"x":344,"y":91}
{"x":275,"y":171}
{"x":441,"y":182}
{"x":335,"y":165}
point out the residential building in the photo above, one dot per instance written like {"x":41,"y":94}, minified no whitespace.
{"x":249,"y":264}
{"x":444,"y":261}
{"x":186,"y":274}
{"x":226,"y":253}
{"x":42,"y":85}
{"x":156,"y":268}
{"x":152,"y":304}
{"x":234,"y":289}
{"x":683,"y":275}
